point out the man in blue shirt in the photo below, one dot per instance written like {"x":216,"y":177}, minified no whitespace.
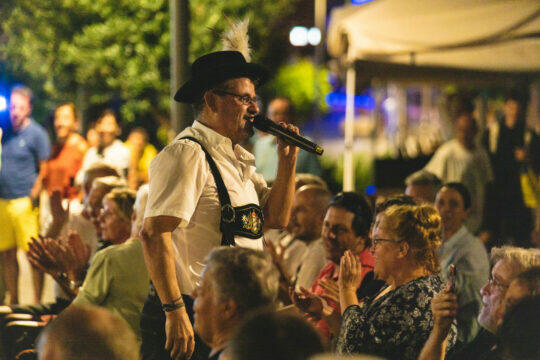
{"x":25,"y":147}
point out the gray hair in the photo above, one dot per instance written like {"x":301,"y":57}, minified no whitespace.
{"x":244,"y":275}
{"x":530,"y":279}
{"x":309,"y":179}
{"x":140,"y":205}
{"x":519,"y":259}
{"x":111,"y":182}
{"x":423,"y":177}
{"x":88,"y":333}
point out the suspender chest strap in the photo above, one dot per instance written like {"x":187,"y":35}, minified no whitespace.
{"x":246,"y":220}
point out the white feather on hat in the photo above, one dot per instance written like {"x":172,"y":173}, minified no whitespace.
{"x":237,"y":38}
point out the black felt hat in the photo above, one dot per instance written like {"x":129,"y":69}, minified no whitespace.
{"x":214,"y":68}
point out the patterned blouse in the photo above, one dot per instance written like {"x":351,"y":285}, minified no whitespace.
{"x":395,"y":326}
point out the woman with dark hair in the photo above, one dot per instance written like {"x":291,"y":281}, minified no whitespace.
{"x":397,"y":321}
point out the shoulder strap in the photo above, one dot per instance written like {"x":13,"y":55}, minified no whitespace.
{"x":227,"y":211}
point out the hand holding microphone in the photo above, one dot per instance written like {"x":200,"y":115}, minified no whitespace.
{"x":264,"y":124}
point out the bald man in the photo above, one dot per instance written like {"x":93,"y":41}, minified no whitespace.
{"x":305,"y":257}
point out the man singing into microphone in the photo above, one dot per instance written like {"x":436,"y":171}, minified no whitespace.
{"x":204,"y":192}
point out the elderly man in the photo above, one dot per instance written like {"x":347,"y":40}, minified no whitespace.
{"x":87,"y":332}
{"x":280,"y":109}
{"x":235,"y":282}
{"x":466,"y":252}
{"x":204,"y":192}
{"x":507,"y":262}
{"x":25,"y":148}
{"x":461,"y":160}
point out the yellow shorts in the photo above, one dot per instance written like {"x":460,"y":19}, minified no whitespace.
{"x":18,"y":223}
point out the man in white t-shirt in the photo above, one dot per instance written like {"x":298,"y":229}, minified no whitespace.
{"x":461,"y":160}
{"x":192,"y":209}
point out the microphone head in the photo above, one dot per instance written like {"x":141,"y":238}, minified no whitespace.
{"x":260,"y":122}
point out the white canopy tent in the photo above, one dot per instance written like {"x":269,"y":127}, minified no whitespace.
{"x":485,"y":35}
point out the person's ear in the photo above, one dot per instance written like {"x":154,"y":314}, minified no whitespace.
{"x":403,"y":249}
{"x":230,"y":309}
{"x":210,"y":100}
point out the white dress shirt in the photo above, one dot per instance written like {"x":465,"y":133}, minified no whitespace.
{"x":182,"y":186}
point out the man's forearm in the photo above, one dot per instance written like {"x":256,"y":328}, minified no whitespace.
{"x":278,"y":206}
{"x":159,"y":258}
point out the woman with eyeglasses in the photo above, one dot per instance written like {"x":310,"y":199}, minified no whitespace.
{"x":117,"y":278}
{"x":397,"y":321}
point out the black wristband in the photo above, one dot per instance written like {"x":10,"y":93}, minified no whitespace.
{"x":175,"y":305}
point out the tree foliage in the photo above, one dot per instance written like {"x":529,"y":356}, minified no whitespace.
{"x":117,"y":52}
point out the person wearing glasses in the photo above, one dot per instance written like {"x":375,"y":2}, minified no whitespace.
{"x":396,"y":322}
{"x":204,"y":193}
{"x":507,"y":263}
{"x":345,"y":228}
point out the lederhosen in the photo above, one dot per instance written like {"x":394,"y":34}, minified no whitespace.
{"x":246,"y":221}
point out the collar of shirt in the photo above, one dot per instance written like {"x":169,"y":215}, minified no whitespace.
{"x":213,"y":140}
{"x":454,"y":241}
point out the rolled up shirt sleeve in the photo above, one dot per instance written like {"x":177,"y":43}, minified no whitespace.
{"x":177,"y":177}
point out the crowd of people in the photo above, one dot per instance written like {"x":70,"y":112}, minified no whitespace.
{"x":188,"y":253}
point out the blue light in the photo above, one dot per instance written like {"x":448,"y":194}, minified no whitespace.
{"x":339,"y":100}
{"x":3,"y":103}
{"x":360,"y":2}
{"x":371,"y":190}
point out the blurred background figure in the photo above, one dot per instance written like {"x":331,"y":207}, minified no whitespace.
{"x":275,"y":336}
{"x":423,"y":186}
{"x":92,"y":137}
{"x":58,"y":173}
{"x":514,"y":152}
{"x":280,"y":109}
{"x":25,"y":148}
{"x":90,"y":333}
{"x":67,"y":154}
{"x":142,"y":153}
{"x":462,"y":160}
{"x":109,"y":149}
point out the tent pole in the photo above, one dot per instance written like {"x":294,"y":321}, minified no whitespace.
{"x":348,"y":160}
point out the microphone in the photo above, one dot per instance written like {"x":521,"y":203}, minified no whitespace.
{"x":264,"y":124}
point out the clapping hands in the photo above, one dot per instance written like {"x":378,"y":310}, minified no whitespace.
{"x":54,"y":257}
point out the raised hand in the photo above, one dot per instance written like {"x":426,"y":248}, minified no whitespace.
{"x":285,"y":151}
{"x":307,"y":302}
{"x":41,"y":258}
{"x":59,"y":214}
{"x":350,"y":272}
{"x":78,"y":254}
{"x":444,"y":306}
{"x":331,"y":290}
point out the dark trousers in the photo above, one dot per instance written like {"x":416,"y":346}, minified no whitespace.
{"x":153,"y":330}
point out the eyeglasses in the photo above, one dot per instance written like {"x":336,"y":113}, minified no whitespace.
{"x":493,"y":282}
{"x":244,"y":99}
{"x":376,"y":241}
